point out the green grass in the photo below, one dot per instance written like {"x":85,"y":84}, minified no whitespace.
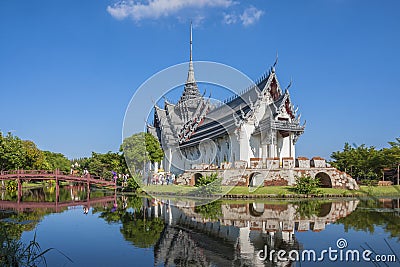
{"x":381,"y":190}
{"x":279,"y":191}
{"x":178,"y":189}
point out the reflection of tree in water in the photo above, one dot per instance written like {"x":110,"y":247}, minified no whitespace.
{"x":9,"y":195}
{"x":137,"y":227}
{"x":48,"y":193}
{"x":370,"y":214}
{"x":16,"y":223}
{"x":143,"y":233}
{"x":312,"y":208}
{"x":211,"y":210}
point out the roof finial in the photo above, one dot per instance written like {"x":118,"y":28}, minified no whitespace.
{"x":190,"y":78}
{"x":191,"y":29}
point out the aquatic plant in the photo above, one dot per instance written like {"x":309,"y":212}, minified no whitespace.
{"x":14,"y":253}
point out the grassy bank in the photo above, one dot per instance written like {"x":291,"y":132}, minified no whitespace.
{"x":278,"y":191}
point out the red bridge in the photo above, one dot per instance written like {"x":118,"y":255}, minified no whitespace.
{"x":57,"y":175}
{"x":21,"y":206}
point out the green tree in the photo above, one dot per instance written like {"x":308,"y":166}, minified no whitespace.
{"x":361,"y":162}
{"x":20,"y":154}
{"x":153,"y":148}
{"x":57,"y":161}
{"x":33,"y":157}
{"x":134,"y":150}
{"x":11,"y":152}
{"x":102,"y":164}
{"x":141,"y":148}
{"x":392,"y":154}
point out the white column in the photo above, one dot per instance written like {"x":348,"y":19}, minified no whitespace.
{"x":292,"y":147}
{"x":272,"y":150}
{"x":244,"y":145}
{"x":264,"y":154}
{"x":156,"y":210}
{"x":168,"y":160}
{"x":155,"y":167}
{"x":272,"y":147}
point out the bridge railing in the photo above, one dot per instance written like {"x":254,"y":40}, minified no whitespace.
{"x":54,"y":173}
{"x":33,"y":172}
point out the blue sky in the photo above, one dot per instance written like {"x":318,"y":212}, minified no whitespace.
{"x":68,"y":69}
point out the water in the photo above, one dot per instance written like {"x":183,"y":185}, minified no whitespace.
{"x":104,"y":229}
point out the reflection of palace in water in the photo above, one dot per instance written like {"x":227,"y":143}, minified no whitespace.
{"x":239,"y":234}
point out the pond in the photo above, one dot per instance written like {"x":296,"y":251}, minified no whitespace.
{"x":102,"y":228}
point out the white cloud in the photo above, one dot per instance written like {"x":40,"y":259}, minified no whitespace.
{"x":154,"y":9}
{"x":250,"y":16}
{"x":230,"y":18}
{"x":198,"y":20}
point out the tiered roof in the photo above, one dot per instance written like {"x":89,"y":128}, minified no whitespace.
{"x":193,"y":119}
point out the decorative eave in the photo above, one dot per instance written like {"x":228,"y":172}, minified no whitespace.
{"x":158,"y":108}
{"x":285,"y":105}
{"x":167,"y":103}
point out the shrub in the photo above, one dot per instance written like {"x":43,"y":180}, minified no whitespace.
{"x":208,"y":185}
{"x":306,"y":185}
{"x":205,"y":180}
{"x":133,"y":182}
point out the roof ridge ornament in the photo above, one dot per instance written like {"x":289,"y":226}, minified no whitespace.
{"x":290,"y":84}
{"x":275,"y":63}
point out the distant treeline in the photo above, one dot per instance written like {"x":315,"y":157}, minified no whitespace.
{"x":23,"y":154}
{"x":364,"y":162}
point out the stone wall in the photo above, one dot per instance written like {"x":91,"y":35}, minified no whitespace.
{"x":276,"y":174}
{"x":303,"y":162}
{"x":318,"y":162}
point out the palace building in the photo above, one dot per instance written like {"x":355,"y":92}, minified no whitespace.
{"x":259,"y":124}
{"x":249,"y":139}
